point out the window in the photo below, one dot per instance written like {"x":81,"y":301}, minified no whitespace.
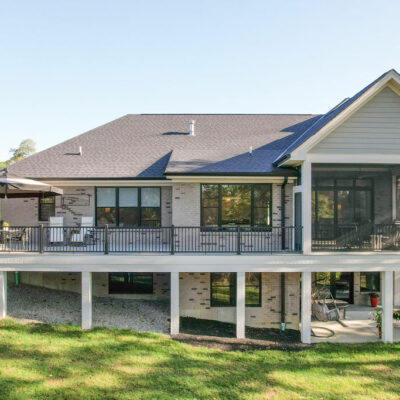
{"x":370,"y":281}
{"x":223,"y":289}
{"x":47,"y":207}
{"x":223,"y":293}
{"x":106,"y":206}
{"x":253,"y":289}
{"x":236,"y":204}
{"x":130,"y":283}
{"x":130,"y":206}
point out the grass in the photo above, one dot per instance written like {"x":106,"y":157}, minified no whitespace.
{"x":62,"y":362}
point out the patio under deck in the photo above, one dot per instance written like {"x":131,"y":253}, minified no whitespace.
{"x":357,"y":327}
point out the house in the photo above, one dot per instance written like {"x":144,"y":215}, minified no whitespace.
{"x":229,"y":217}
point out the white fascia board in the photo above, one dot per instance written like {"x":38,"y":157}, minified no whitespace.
{"x":321,"y":262}
{"x":299,"y":154}
{"x":229,"y":179}
{"x":111,"y":182}
{"x":354,"y":158}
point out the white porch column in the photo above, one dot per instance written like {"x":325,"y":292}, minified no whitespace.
{"x":174,"y":294}
{"x":387,"y":307}
{"x":396,"y":293}
{"x":240,"y":304}
{"x":3,"y":294}
{"x":86,"y":300}
{"x":306,"y":307}
{"x":306,"y":217}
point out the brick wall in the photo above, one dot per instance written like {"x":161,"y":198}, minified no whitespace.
{"x":186,"y":204}
{"x":72,"y":205}
{"x":71,"y":282}
{"x":195,"y":301}
{"x":166,"y":206}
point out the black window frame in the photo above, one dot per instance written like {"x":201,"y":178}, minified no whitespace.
{"x":40,"y":205}
{"x":252,"y":206}
{"x":335,"y":188}
{"x":232,"y":296}
{"x":139,"y":206}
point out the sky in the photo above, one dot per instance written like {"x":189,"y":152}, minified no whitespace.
{"x":68,"y":66}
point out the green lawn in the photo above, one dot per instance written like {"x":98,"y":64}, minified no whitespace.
{"x":62,"y":362}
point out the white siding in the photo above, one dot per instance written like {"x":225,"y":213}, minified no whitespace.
{"x":375,"y":128}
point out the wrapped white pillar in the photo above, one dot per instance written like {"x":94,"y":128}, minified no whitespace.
{"x":174,"y":294}
{"x":240,"y":304}
{"x":306,"y":307}
{"x":387,"y":307}
{"x":306,"y":217}
{"x":86,"y":300}
{"x":3,"y":294}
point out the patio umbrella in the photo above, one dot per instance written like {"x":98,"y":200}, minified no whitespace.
{"x":12,"y":186}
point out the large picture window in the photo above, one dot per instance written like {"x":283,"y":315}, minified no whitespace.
{"x":236,"y":204}
{"x":223,"y":289}
{"x":128,"y":206}
{"x":47,"y":207}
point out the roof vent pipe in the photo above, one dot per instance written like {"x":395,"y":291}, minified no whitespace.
{"x":191,"y":128}
{"x":80,"y":150}
{"x":251,"y":150}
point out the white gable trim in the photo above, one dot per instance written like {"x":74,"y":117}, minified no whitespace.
{"x":391,"y":79}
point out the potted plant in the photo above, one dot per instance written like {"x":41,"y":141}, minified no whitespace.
{"x":374,"y":297}
{"x":377,"y":317}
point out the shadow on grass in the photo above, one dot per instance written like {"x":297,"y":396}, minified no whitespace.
{"x":42,"y":361}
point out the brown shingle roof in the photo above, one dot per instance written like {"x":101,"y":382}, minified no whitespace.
{"x":148,"y":145}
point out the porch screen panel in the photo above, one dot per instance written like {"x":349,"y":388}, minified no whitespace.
{"x":363,"y":206}
{"x":323,"y":214}
{"x":106,"y":206}
{"x":345,"y":205}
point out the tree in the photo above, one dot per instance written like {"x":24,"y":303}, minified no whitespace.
{"x":25,"y":149}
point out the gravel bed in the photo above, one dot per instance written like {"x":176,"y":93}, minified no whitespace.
{"x":37,"y":304}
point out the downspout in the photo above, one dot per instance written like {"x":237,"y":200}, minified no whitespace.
{"x":283,"y":276}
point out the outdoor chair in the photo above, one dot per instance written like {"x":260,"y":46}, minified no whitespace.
{"x":84,"y":234}
{"x":56,"y":225}
{"x":324,"y":306}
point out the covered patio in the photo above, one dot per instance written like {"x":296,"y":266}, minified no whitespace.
{"x":357,"y":327}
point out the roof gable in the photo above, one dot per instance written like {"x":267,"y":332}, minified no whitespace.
{"x":372,"y":129}
{"x":325,"y":123}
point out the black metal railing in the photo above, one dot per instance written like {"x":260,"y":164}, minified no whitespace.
{"x":171,"y":240}
{"x":365,"y":237}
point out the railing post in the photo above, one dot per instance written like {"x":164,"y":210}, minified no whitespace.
{"x":106,"y":239}
{"x":41,"y":232}
{"x":172,"y":239}
{"x":238,"y":240}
